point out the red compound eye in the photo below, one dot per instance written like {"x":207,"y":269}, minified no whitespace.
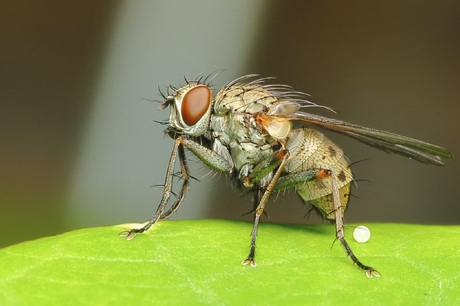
{"x":195,"y":104}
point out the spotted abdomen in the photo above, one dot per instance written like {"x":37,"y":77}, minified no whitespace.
{"x":312,"y":150}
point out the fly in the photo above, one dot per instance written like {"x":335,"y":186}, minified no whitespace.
{"x":245,"y":130}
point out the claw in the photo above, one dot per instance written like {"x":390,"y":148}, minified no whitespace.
{"x":129,"y":234}
{"x":372,"y":272}
{"x":249,"y":262}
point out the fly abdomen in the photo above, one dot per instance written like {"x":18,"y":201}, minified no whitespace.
{"x":312,"y":150}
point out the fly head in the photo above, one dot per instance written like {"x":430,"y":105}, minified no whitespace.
{"x":190,"y":109}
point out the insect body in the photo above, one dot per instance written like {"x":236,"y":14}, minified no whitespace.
{"x":245,"y":130}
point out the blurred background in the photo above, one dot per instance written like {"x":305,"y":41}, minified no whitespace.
{"x":79,"y":146}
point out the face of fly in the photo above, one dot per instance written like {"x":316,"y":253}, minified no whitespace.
{"x":190,"y":109}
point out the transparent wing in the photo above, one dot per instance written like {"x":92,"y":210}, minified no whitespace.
{"x":413,"y":148}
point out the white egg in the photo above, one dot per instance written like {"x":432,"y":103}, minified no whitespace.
{"x":361,"y":234}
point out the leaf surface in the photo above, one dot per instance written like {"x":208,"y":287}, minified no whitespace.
{"x":199,"y":262}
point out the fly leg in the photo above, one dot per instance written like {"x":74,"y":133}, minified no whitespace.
{"x":185,"y":185}
{"x":295,"y":179}
{"x":210,"y":157}
{"x":178,"y":147}
{"x":280,"y":158}
{"x":339,"y":229}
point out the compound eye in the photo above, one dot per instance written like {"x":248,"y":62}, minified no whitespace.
{"x":195,"y":104}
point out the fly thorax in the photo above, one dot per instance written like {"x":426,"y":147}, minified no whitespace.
{"x":246,"y":153}
{"x":250,"y":99}
{"x":234,"y":121}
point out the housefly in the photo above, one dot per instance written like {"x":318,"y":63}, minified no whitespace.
{"x":245,"y":130}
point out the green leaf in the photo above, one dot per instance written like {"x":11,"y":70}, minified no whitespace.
{"x":199,"y":262}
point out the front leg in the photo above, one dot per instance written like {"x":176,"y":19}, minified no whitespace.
{"x":211,"y":158}
{"x":166,"y":192}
